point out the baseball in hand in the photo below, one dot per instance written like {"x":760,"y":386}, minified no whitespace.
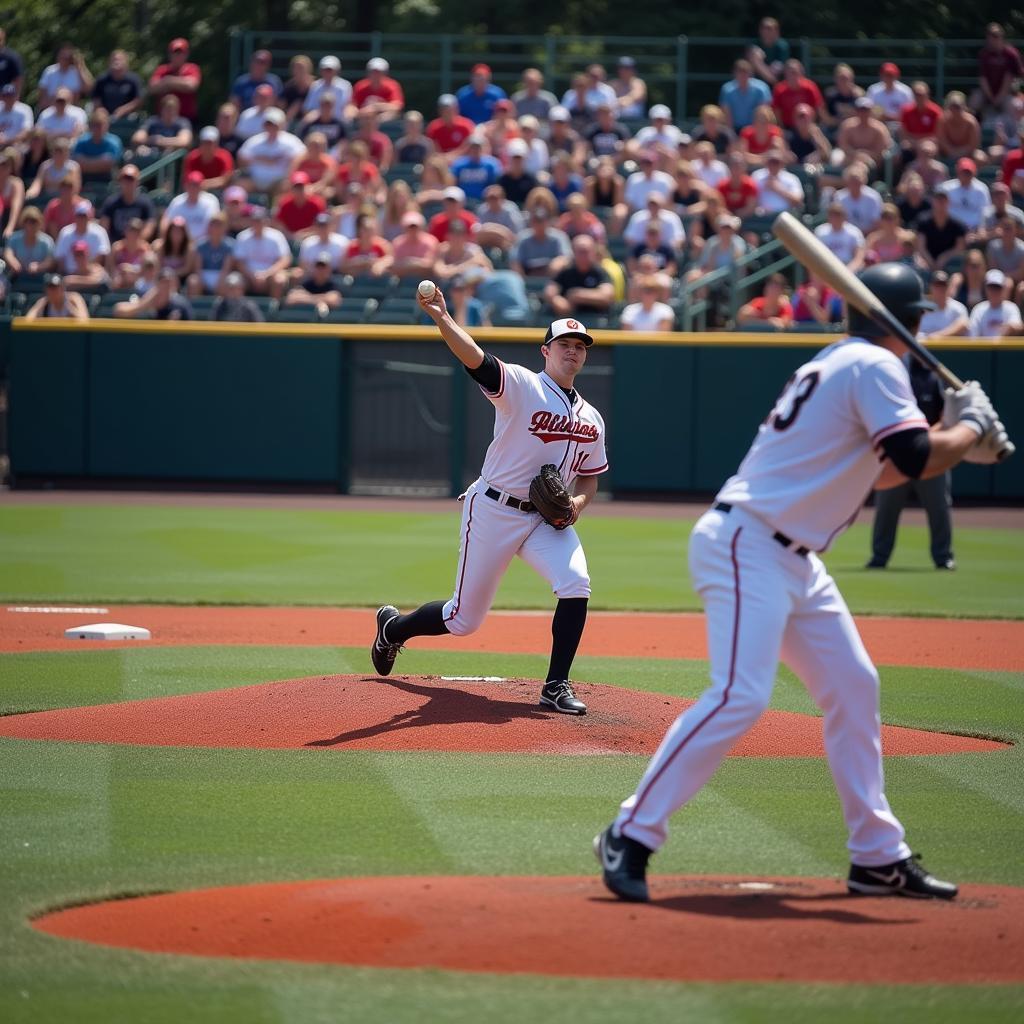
{"x":427,"y":289}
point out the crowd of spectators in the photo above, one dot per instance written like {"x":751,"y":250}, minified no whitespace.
{"x":308,"y":187}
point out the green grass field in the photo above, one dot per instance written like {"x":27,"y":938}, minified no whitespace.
{"x":132,"y":553}
{"x":85,"y":821}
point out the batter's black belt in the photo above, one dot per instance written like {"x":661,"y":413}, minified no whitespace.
{"x":797,"y":549}
{"x":523,"y":506}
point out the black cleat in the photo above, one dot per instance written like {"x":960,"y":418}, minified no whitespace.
{"x":558,"y":694}
{"x":383,"y":654}
{"x":949,"y":565}
{"x":624,"y":865}
{"x":875,"y":563}
{"x":901,"y":878}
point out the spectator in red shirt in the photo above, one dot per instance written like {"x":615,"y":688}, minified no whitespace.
{"x":377,"y":92}
{"x":738,"y":190}
{"x":918,"y":120}
{"x":773,"y":307}
{"x":319,"y":166}
{"x":793,"y":90}
{"x":757,"y":138}
{"x":578,"y":220}
{"x":297,"y":211}
{"x":367,"y":253}
{"x":454,"y":200}
{"x":178,"y":77}
{"x":1013,"y":171}
{"x":378,"y":145}
{"x":450,"y":131}
{"x":358,"y":168}
{"x":999,"y":65}
{"x":215,"y":164}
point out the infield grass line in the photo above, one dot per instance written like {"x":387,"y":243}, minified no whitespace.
{"x":181,"y":555}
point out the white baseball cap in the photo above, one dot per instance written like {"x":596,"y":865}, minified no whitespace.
{"x":275,"y":115}
{"x":454,"y":192}
{"x":660,"y":110}
{"x":517,"y":147}
{"x":209,"y":134}
{"x":330,"y":61}
{"x":568,"y":328}
{"x":377,"y":64}
{"x":995,"y":276}
{"x":559,"y":114}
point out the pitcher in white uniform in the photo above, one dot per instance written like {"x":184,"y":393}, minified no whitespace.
{"x":846,"y":422}
{"x":539,"y":418}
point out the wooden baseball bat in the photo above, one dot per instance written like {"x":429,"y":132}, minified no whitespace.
{"x":823,"y":263}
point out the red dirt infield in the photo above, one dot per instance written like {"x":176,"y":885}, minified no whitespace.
{"x":428,"y":713}
{"x":927,"y":643}
{"x":697,"y":929}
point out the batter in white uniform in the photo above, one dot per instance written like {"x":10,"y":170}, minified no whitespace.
{"x":539,"y":418}
{"x":767,"y":594}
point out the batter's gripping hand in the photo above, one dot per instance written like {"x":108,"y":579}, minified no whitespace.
{"x":551,"y":498}
{"x":434,"y":307}
{"x":991,"y":447}
{"x":969,"y":405}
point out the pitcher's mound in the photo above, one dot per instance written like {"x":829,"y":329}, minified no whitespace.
{"x":698,"y":929}
{"x":424,"y":713}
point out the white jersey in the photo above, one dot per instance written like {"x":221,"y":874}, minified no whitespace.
{"x":988,"y":321}
{"x":536,"y":423}
{"x":967,"y":203}
{"x":939,"y":319}
{"x":890,"y":101}
{"x":196,"y":215}
{"x":844,"y":241}
{"x":816,"y":456}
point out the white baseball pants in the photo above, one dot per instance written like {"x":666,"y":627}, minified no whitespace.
{"x":491,"y":536}
{"x":763,"y":602}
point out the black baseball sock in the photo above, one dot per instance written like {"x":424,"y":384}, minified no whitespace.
{"x":427,"y":620}
{"x":566,"y":629}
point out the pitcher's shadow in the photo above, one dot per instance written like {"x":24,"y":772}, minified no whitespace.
{"x":771,"y":906}
{"x":444,"y":706}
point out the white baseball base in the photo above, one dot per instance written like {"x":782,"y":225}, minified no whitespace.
{"x":107,"y":631}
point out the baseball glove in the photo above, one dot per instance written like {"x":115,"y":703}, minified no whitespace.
{"x":551,"y":499}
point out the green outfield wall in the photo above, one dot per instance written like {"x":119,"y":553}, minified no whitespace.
{"x":377,"y":409}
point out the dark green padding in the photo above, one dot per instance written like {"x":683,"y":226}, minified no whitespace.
{"x":226,"y":407}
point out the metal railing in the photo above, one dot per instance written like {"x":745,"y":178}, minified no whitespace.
{"x":683,"y":71}
{"x":736,"y":281}
{"x":162,"y":174}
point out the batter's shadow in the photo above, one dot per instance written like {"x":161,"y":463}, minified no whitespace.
{"x":444,"y":706}
{"x":768,"y":906}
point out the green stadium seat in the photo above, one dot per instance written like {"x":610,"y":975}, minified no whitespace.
{"x":29,"y":282}
{"x":355,"y":314}
{"x":757,"y":328}
{"x":296,"y":315}
{"x":393,"y":310}
{"x":125,"y":127}
{"x":618,"y":248}
{"x":370,"y":287}
{"x":813,"y":327}
{"x":403,"y":172}
{"x":266,"y":305}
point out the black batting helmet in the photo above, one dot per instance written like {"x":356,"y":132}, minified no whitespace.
{"x":899,"y":288}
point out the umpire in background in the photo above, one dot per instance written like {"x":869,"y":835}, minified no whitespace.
{"x":934,"y":494}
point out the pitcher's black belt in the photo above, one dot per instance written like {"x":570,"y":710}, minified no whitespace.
{"x":523,"y":506}
{"x":724,"y":506}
